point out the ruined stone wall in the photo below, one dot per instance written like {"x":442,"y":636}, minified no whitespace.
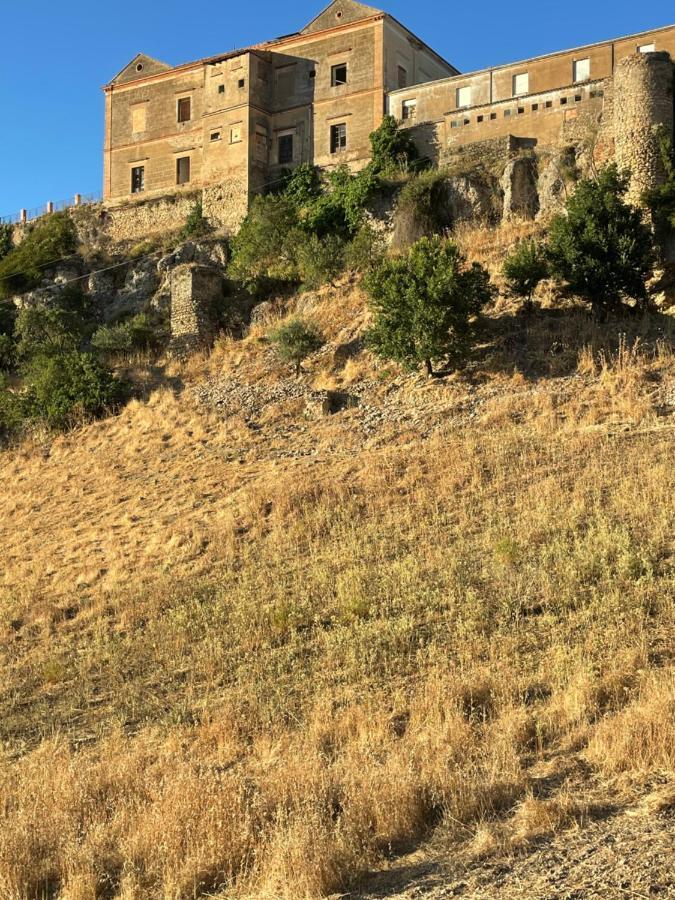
{"x":643,"y":86}
{"x":195,"y":293}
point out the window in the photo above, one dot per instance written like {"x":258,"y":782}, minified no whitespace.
{"x":215,"y":135}
{"x":535,"y":107}
{"x":480,"y":119}
{"x":184,"y":109}
{"x":578,"y":98}
{"x":582,"y":70}
{"x":312,"y":74}
{"x":549,"y":104}
{"x":463,"y":97}
{"x":338,"y":75}
{"x":235,"y":134}
{"x":521,"y":84}
{"x":402,"y":77}
{"x":409,"y":110}
{"x":285,"y":149}
{"x":454,"y":124}
{"x":647,"y":48}
{"x":493,"y":116}
{"x":138,"y":179}
{"x":221,"y":88}
{"x":563,"y":101}
{"x":183,"y":170}
{"x":521,"y":110}
{"x":507,"y":113}
{"x":241,"y":83}
{"x":138,"y":119}
{"x":338,"y":138}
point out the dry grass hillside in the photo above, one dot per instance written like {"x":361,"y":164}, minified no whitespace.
{"x":423,"y":645}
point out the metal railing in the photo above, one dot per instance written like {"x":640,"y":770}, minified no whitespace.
{"x":29,"y":215}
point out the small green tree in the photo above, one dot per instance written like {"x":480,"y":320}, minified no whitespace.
{"x":140,"y":332}
{"x":196,"y":224}
{"x":46,"y":242}
{"x":46,"y":331}
{"x":661,"y":199}
{"x":263,"y":252}
{"x":600,"y":245}
{"x":320,"y":260}
{"x":295,"y":339}
{"x":424,"y":304}
{"x":524,"y":269}
{"x":392,"y":147}
{"x":67,"y":389}
{"x":6,"y":242}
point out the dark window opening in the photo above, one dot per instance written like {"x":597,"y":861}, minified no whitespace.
{"x":493,"y":116}
{"x":549,"y":104}
{"x":480,"y":118}
{"x":215,"y":135}
{"x":242,"y":82}
{"x":338,"y":138}
{"x":402,"y":77}
{"x":183,"y":170}
{"x":338,"y":75}
{"x":535,"y":107}
{"x":312,"y":74}
{"x":221,"y":88}
{"x":285,"y":149}
{"x":521,"y":110}
{"x":138,"y":179}
{"x":467,"y":121}
{"x":563,"y":101}
{"x":577,"y":98}
{"x":184,"y":110}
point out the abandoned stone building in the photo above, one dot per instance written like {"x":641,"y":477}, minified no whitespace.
{"x":228,"y":125}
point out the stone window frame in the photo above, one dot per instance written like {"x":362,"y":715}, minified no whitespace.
{"x":282,"y":141}
{"x":335,"y":79}
{"x":338,"y":138}
{"x":181,"y":178}
{"x":460,"y":92}
{"x":180,"y":110}
{"x":137,"y":185}
{"x":409,"y":110}
{"x":581,"y":78}
{"x":515,"y":92}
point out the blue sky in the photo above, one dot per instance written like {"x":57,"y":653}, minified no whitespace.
{"x":54,"y":57}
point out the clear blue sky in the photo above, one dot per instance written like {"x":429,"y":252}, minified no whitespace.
{"x":56,"y":54}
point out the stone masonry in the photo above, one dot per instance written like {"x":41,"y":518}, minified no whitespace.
{"x":195,"y":293}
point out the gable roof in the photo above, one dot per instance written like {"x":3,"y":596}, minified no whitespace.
{"x":340,"y":12}
{"x":139,"y":67}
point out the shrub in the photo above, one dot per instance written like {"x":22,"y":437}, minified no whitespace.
{"x":320,"y":260}
{"x":524,"y":269}
{"x":423,"y":304}
{"x":392,"y":147}
{"x":340,"y":207}
{"x":601,"y":245}
{"x":422,"y":208}
{"x":196,"y":224}
{"x":47,"y":331}
{"x":6,"y":242}
{"x":302,"y":185}
{"x":7,"y":352}
{"x":12,"y":412}
{"x":295,"y":339}
{"x":46,"y":242}
{"x":263,"y":252}
{"x":142,"y":332}
{"x":64,"y":390}
{"x":364,"y":251}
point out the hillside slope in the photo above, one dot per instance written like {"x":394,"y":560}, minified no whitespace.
{"x":251,"y":648}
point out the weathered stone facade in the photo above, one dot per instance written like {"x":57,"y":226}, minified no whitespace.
{"x":226,"y":127}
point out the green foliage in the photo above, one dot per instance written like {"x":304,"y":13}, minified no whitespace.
{"x":392,"y":148}
{"x":12,"y":411}
{"x":320,"y":260}
{"x":196,"y":224}
{"x":525,"y":268}
{"x":51,"y":238}
{"x":302,"y":185}
{"x":661,"y":200}
{"x":7,"y":352}
{"x":295,"y":339}
{"x":364,"y":252}
{"x":340,"y":207}
{"x":423,"y":304}
{"x":142,"y":332}
{"x":70,"y":388}
{"x":601,"y":245}
{"x":47,"y":331}
{"x":263,"y":252}
{"x":422,"y":208}
{"x":6,"y":242}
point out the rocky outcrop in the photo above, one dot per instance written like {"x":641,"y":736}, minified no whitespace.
{"x":519,"y":184}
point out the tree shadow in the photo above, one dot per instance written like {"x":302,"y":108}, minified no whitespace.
{"x":548,"y":343}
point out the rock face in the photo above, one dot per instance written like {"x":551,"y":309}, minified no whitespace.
{"x":471,"y":198}
{"x":519,"y":183}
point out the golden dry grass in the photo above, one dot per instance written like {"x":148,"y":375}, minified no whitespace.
{"x":226,"y":672}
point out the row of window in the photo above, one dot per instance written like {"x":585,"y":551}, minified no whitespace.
{"x":534,"y":107}
{"x":285,"y":154}
{"x":520,"y":83}
{"x":182,"y":175}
